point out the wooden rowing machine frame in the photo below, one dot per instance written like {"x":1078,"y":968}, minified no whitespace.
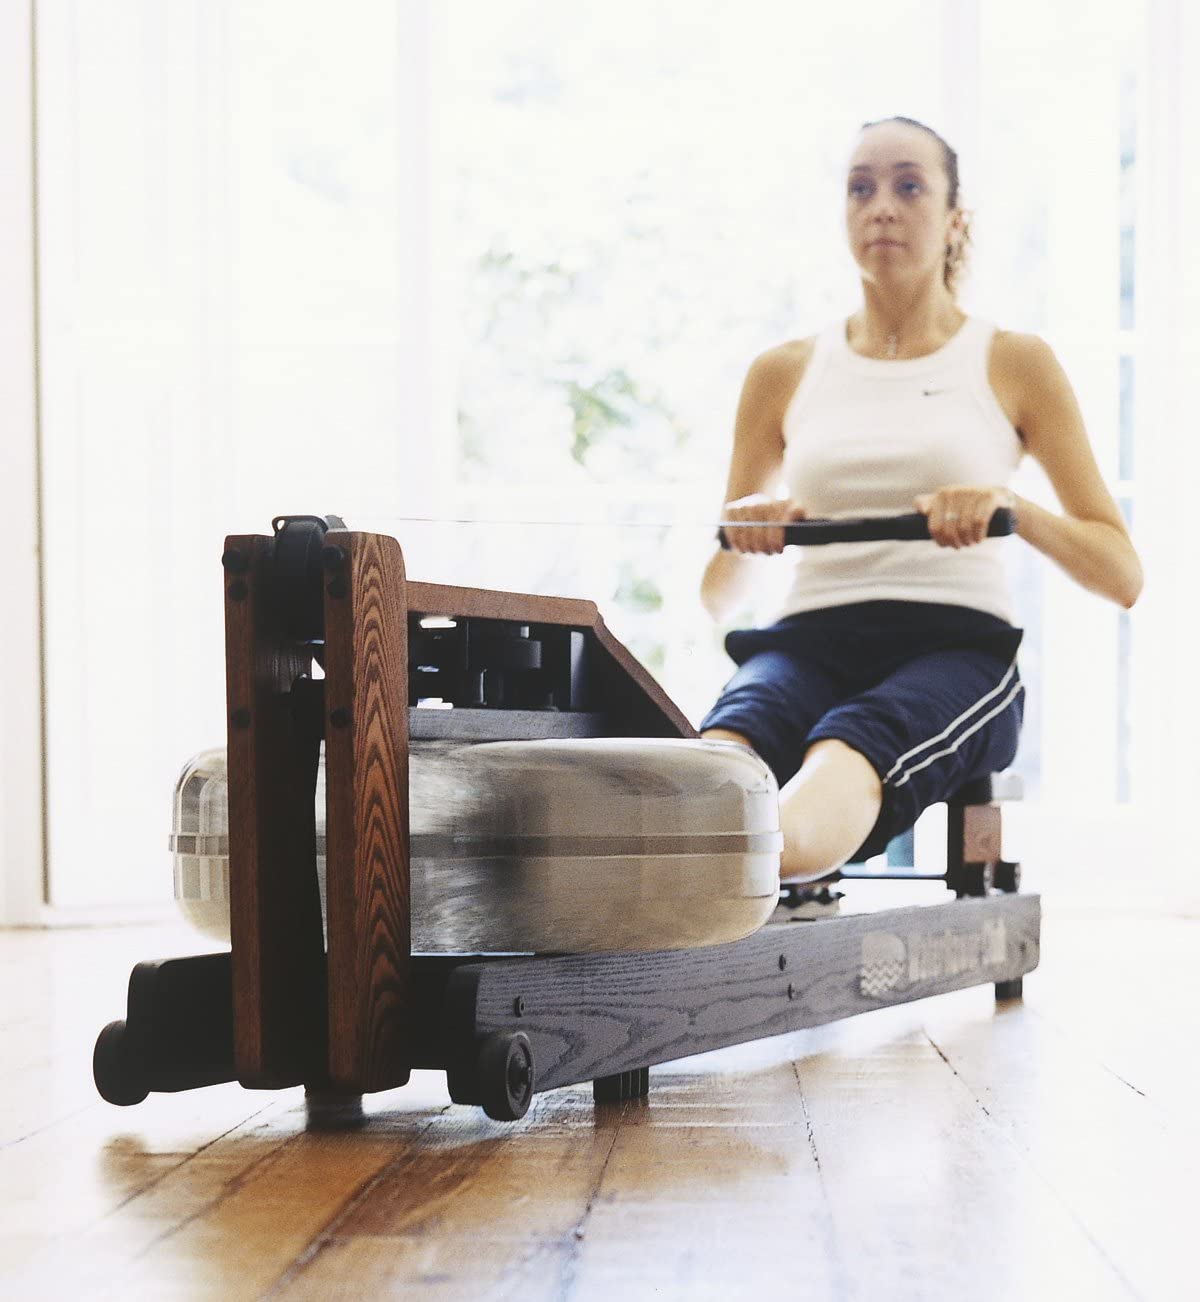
{"x":353,"y":1010}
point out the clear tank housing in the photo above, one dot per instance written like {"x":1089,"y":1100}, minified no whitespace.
{"x":567,"y":846}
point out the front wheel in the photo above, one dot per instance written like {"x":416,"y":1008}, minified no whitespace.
{"x":505,"y":1075}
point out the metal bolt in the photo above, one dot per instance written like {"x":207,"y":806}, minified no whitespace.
{"x":240,"y":718}
{"x":340,"y":718}
{"x":332,"y":557}
{"x":337,"y":587}
{"x":235,"y":562}
{"x":519,"y":1006}
{"x":238,"y":590}
{"x":792,"y":991}
{"x":782,"y":962}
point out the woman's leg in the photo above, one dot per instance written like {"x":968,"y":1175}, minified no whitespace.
{"x":825,"y":810}
{"x":770,"y":706}
{"x":932,"y":725}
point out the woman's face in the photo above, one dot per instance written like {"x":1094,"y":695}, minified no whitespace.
{"x":897,"y":221}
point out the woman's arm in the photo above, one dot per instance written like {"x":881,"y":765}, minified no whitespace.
{"x":1090,"y":541}
{"x":755,"y":463}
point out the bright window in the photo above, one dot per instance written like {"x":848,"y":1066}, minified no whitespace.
{"x":510,"y":262}
{"x":645,"y":202}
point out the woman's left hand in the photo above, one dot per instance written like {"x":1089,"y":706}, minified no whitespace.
{"x":959,"y":515}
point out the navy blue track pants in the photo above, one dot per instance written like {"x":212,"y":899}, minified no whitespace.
{"x":929,"y":694}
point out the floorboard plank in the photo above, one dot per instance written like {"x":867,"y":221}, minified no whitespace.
{"x":926,"y":1190}
{"x":481,"y":1189}
{"x":1118,"y":1163}
{"x":939,"y":1150}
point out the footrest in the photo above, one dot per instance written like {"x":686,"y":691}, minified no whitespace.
{"x":802,"y":902}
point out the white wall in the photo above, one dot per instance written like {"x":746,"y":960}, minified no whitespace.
{"x":1169,"y":360}
{"x":21,"y":854}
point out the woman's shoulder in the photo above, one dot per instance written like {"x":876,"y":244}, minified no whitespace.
{"x":783,"y":365}
{"x":1021,"y":366}
{"x":793,"y":352}
{"x":1019,"y":351}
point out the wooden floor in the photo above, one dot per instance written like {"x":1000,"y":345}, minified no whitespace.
{"x":945,"y":1149}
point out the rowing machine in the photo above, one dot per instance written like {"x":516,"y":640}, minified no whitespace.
{"x":324,"y":989}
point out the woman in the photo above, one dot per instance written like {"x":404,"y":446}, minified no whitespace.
{"x":891,"y":678}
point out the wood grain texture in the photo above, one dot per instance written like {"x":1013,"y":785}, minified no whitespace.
{"x":1081,"y":1149}
{"x":275,"y":911}
{"x":922,"y":1164}
{"x":491,"y":603}
{"x":981,"y":833}
{"x":367,"y":864}
{"x":636,"y":703}
{"x":596,"y":1015}
{"x":973,"y":833}
{"x":632,"y":700}
{"x":945,"y":1149}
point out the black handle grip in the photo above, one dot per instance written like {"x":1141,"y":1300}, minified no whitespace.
{"x":894,"y":528}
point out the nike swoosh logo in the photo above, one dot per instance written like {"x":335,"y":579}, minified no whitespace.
{"x":929,"y":393}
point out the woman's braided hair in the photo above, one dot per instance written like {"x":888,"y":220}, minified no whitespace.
{"x":955,"y":267}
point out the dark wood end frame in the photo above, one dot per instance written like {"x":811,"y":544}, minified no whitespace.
{"x":339,"y":1011}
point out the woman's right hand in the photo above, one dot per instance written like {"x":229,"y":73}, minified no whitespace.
{"x":765,"y":536}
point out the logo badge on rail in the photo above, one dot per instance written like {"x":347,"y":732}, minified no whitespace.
{"x":890,"y":963}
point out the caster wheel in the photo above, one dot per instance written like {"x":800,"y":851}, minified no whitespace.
{"x":505,"y":1075}
{"x":117,"y":1079}
{"x":624,"y":1085}
{"x":1009,"y":989}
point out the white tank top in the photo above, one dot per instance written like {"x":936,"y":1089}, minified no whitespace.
{"x":864,"y":437}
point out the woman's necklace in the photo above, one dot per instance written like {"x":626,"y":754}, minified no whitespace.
{"x":892,"y":348}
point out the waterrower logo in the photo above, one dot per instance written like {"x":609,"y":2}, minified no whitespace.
{"x":890,"y":962}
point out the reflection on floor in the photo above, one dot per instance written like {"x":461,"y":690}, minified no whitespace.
{"x":950,"y":1149}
